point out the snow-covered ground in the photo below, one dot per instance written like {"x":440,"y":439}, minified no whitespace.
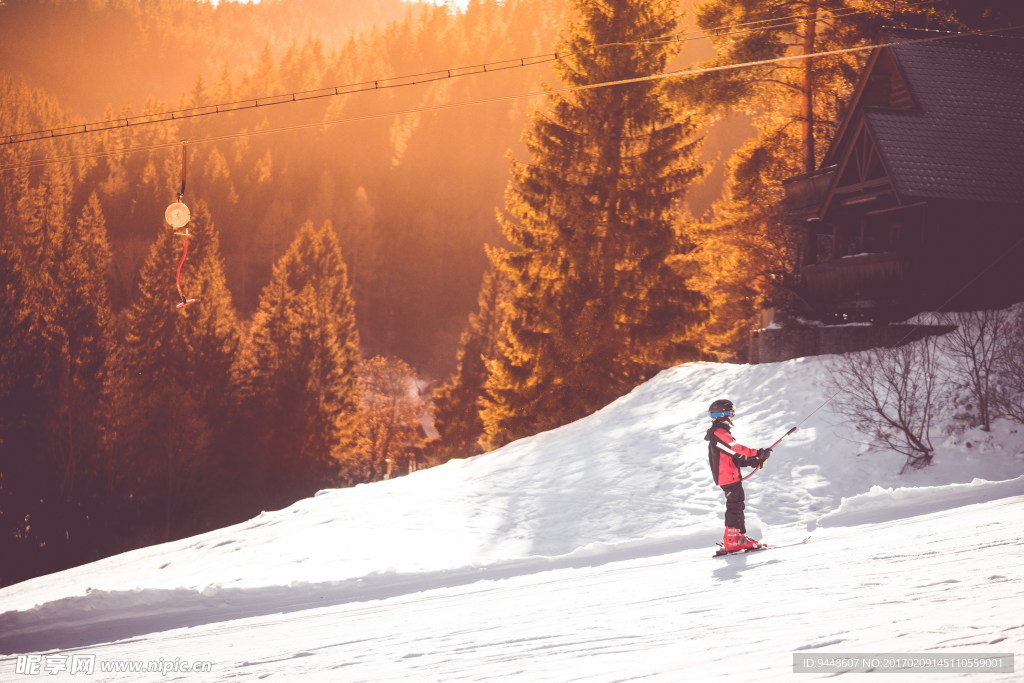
{"x":581,"y":553}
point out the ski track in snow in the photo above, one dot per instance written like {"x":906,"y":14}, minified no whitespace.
{"x":583,"y":553}
{"x":655,"y":616}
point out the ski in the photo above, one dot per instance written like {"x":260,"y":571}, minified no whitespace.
{"x":722,"y":552}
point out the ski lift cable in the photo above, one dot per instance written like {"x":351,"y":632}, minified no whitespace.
{"x":331,"y":91}
{"x":502,"y":98}
{"x":404,"y":81}
{"x":768,"y":24}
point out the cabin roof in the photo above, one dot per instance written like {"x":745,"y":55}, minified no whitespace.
{"x":961,"y":134}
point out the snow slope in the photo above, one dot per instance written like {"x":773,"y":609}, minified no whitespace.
{"x":583,"y":552}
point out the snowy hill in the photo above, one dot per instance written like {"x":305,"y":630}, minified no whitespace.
{"x":581,"y":553}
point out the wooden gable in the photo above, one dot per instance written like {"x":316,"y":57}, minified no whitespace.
{"x":862,"y":164}
{"x":861,"y":176}
{"x":882,"y":85}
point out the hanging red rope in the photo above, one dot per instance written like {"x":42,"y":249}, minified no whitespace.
{"x":185,"y":301}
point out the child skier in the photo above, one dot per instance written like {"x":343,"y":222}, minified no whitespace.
{"x":726,"y":457}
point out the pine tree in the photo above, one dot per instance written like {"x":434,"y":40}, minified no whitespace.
{"x":457,"y":402}
{"x":985,"y":15}
{"x":595,"y":306}
{"x":299,"y":374}
{"x":76,"y":307}
{"x":26,"y":483}
{"x":83,"y":323}
{"x":814,"y":88}
{"x":171,"y":384}
{"x":65,"y":313}
{"x":747,"y":249}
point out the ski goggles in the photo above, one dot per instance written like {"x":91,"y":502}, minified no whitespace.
{"x":725,"y":413}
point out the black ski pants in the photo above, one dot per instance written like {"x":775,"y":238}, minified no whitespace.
{"x":734,"y":506}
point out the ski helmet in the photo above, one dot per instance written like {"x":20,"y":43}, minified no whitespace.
{"x":722,"y":408}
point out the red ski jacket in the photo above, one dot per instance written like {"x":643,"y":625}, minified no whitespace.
{"x":725,"y":456}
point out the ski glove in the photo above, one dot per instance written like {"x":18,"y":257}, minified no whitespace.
{"x":762,"y":454}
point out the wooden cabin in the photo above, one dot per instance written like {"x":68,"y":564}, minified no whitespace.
{"x":919,"y":203}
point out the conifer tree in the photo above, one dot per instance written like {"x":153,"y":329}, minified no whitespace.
{"x":79,"y":330}
{"x":814,"y":88}
{"x":64,"y":338}
{"x":172,"y":383}
{"x":83,"y":323}
{"x":26,"y":483}
{"x":595,"y":306}
{"x":299,"y":374}
{"x":457,"y":402}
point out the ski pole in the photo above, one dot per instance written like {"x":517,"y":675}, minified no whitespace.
{"x":772,"y":447}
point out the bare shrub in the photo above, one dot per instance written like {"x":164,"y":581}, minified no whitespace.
{"x":1009,"y":395}
{"x":888,"y":395}
{"x":977,"y":346}
{"x":392,"y":407}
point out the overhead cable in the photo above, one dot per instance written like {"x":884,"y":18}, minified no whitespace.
{"x":505,"y":98}
{"x":770,"y":24}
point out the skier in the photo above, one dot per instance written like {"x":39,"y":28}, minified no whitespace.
{"x":726,"y":457}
